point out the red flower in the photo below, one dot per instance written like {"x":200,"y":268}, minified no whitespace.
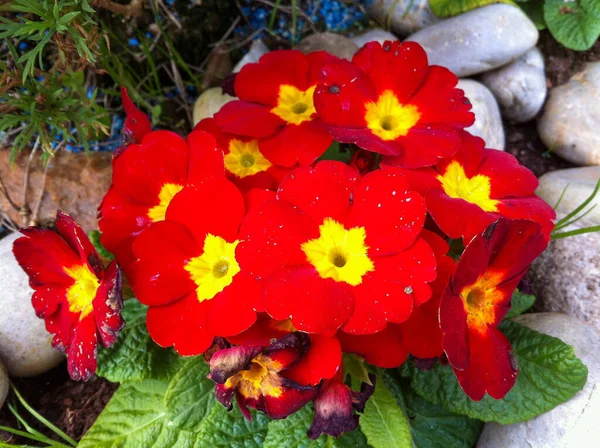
{"x":188,"y":269}
{"x":137,"y":124}
{"x":390,"y":101}
{"x":477,"y":186}
{"x":146,"y":177}
{"x":244,"y":164}
{"x":79,"y":300}
{"x":334,"y":249}
{"x":335,"y":407}
{"x":255,"y":375}
{"x":477,"y":299}
{"x":420,"y":335}
{"x":276,"y":106}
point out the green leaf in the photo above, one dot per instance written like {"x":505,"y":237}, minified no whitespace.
{"x":575,"y":24}
{"x":519,"y":303}
{"x":430,"y":424}
{"x":291,"y":431}
{"x":337,"y":152}
{"x":135,"y":417}
{"x":190,"y":396}
{"x":355,"y":366}
{"x":383,"y":422}
{"x":449,"y":8}
{"x":549,"y":374}
{"x":231,"y":430}
{"x":535,"y":11}
{"x":135,"y":356}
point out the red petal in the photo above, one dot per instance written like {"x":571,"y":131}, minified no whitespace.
{"x":79,"y":242}
{"x":43,"y":255}
{"x":108,"y":304}
{"x":322,"y":361}
{"x":181,"y":324}
{"x":291,"y":400}
{"x":392,"y":216}
{"x":248,"y":119}
{"x":142,"y":170}
{"x":491,"y":369}
{"x":137,"y":124}
{"x":205,"y":158}
{"x":383,"y":349}
{"x":61,"y":324}
{"x":83,"y":350}
{"x":261,"y":333}
{"x":297,"y":144}
{"x":271,"y":237}
{"x":214,"y":207}
{"x":334,"y":413}
{"x":399,"y":67}
{"x":226,"y":363}
{"x":233,"y":308}
{"x":46,"y":301}
{"x":260,"y":82}
{"x":159,"y":277}
{"x":314,"y":304}
{"x":321,"y":192}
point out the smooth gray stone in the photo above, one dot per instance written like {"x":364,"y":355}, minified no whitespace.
{"x":578,"y":185}
{"x":488,"y":122}
{"x":573,"y":424}
{"x":403,"y":16}
{"x":520,"y":87}
{"x":570,"y":126}
{"x":332,"y":43}
{"x":566,"y":277}
{"x":479,"y":40}
{"x":25,"y":345}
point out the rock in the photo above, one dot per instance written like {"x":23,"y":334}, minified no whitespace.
{"x":4,"y":384}
{"x":488,"y":122}
{"x":581,"y":183}
{"x":403,"y":16}
{"x":76,"y":184}
{"x":520,"y":87}
{"x":335,"y":44}
{"x":479,"y":40}
{"x":569,"y":126}
{"x":566,"y":277}
{"x":378,"y":34}
{"x":209,"y":103}
{"x":257,"y":49}
{"x":25,"y":345}
{"x":571,"y":424}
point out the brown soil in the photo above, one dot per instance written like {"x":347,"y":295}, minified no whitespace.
{"x":75,"y":406}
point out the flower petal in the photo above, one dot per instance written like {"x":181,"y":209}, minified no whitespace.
{"x":383,"y":349}
{"x":108,"y":305}
{"x":78,"y":241}
{"x":83,"y":350}
{"x":322,"y":361}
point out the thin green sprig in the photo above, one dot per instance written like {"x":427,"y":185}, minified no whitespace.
{"x":575,"y":216}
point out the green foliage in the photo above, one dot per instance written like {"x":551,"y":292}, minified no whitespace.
{"x":190,"y":396}
{"x":574,"y":24}
{"x":519,"y":303}
{"x":431,"y":426}
{"x":383,"y":422}
{"x":94,"y":236}
{"x":549,"y":374}
{"x":337,"y":152}
{"x":135,"y":356}
{"x":449,"y":8}
{"x":576,"y":215}
{"x":53,"y":20}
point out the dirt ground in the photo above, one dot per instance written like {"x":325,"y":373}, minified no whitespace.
{"x":74,"y":406}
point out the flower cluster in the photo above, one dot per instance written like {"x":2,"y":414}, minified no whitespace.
{"x":248,"y":247}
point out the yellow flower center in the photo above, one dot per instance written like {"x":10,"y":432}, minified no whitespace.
{"x":475,"y":190}
{"x":338,"y":253}
{"x":480,"y":300}
{"x":388,"y":119}
{"x":260,"y":379}
{"x":245,"y":159}
{"x":81,"y":294}
{"x":167,"y":192}
{"x":294,"y":105}
{"x":214,"y":270}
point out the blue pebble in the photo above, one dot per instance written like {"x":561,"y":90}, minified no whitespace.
{"x":23,"y":46}
{"x":133,"y":42}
